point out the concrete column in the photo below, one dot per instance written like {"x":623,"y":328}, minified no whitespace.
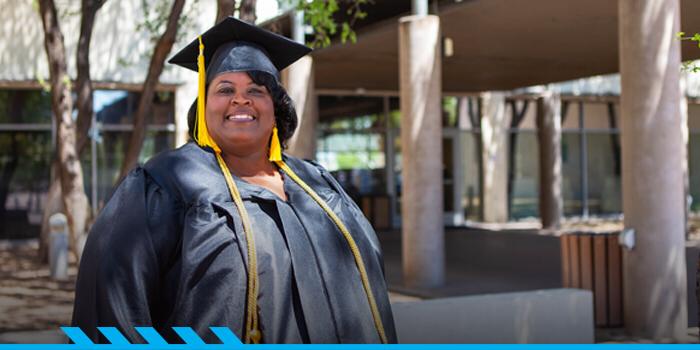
{"x":549,"y":139}
{"x":300,"y":86}
{"x":184,"y":96}
{"x":421,"y":145}
{"x":299,"y":81}
{"x":652,"y":168}
{"x":495,"y":122}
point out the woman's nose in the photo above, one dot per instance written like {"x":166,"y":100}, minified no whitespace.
{"x":240,"y":99}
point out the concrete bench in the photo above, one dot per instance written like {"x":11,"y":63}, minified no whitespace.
{"x":543,"y":316}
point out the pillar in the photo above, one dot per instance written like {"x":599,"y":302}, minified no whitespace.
{"x":652,"y":168}
{"x":299,"y":79}
{"x":421,"y":146}
{"x":301,"y":89}
{"x":184,"y":96}
{"x":495,"y":125}
{"x":549,"y":140}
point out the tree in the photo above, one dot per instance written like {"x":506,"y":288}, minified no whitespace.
{"x":84,"y":92}
{"x":155,"y":68}
{"x":224,"y":8}
{"x":83,"y":83}
{"x":68,"y":168}
{"x":320,"y":14}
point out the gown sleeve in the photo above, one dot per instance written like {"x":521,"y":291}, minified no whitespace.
{"x":126,"y":251}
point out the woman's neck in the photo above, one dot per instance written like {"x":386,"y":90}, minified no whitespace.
{"x":248,"y":165}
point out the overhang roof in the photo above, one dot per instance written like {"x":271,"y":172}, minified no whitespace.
{"x":498,"y":45}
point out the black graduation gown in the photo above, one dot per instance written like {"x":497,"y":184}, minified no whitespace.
{"x":169,"y":250}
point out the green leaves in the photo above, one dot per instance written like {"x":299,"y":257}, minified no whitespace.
{"x":695,"y":38}
{"x":321,"y":15}
{"x":689,"y":66}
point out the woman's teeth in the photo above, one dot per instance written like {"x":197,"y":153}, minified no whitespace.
{"x":240,"y":117}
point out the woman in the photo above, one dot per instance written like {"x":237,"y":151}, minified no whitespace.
{"x":229,"y":232}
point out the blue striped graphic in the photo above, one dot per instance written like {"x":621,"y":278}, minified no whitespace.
{"x":113,"y":335}
{"x":150,"y":336}
{"x":76,"y":335}
{"x":226,"y":336}
{"x":231,"y":342}
{"x":188,"y":335}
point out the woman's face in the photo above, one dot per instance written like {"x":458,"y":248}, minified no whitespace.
{"x":240,"y":114}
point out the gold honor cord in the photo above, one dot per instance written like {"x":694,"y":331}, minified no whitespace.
{"x":351,"y":242}
{"x":252,"y":331}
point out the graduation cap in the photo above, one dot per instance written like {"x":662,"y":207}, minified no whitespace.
{"x":233,"y":45}
{"x":236,"y":46}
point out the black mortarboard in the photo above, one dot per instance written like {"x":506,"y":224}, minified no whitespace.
{"x":235,"y":46}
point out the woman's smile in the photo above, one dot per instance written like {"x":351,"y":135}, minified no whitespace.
{"x":240,"y":118}
{"x":241,"y":115}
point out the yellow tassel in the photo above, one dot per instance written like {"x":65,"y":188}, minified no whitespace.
{"x":201,"y":133}
{"x":275,"y":147}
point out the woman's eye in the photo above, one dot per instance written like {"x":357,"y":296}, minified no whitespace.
{"x":225,"y":90}
{"x":256,"y":91}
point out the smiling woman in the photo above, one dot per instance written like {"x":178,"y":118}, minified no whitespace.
{"x":229,"y":231}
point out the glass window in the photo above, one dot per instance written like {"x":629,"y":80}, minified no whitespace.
{"x":119,"y":107}
{"x":25,"y":156}
{"x":694,"y":170}
{"x":569,"y":115}
{"x":25,"y":107}
{"x":471,"y":160}
{"x":449,"y":111}
{"x":571,"y":172}
{"x":25,"y":163}
{"x":604,"y":186}
{"x":525,"y":186}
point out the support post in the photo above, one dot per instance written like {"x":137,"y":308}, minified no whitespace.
{"x":495,"y":127}
{"x":653,"y":156}
{"x":301,"y":88}
{"x":421,"y":142}
{"x":549,"y":139}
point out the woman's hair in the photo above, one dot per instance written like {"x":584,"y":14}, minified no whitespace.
{"x":285,"y":114}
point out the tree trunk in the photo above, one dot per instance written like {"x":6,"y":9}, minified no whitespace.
{"x":83,"y":84}
{"x":155,"y":68}
{"x":246,"y":11}
{"x":224,"y":8}
{"x":70,"y":172}
{"x":83,"y":89}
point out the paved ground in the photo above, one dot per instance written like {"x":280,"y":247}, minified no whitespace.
{"x":32,"y":306}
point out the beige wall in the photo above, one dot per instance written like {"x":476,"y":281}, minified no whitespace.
{"x":119,"y":53}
